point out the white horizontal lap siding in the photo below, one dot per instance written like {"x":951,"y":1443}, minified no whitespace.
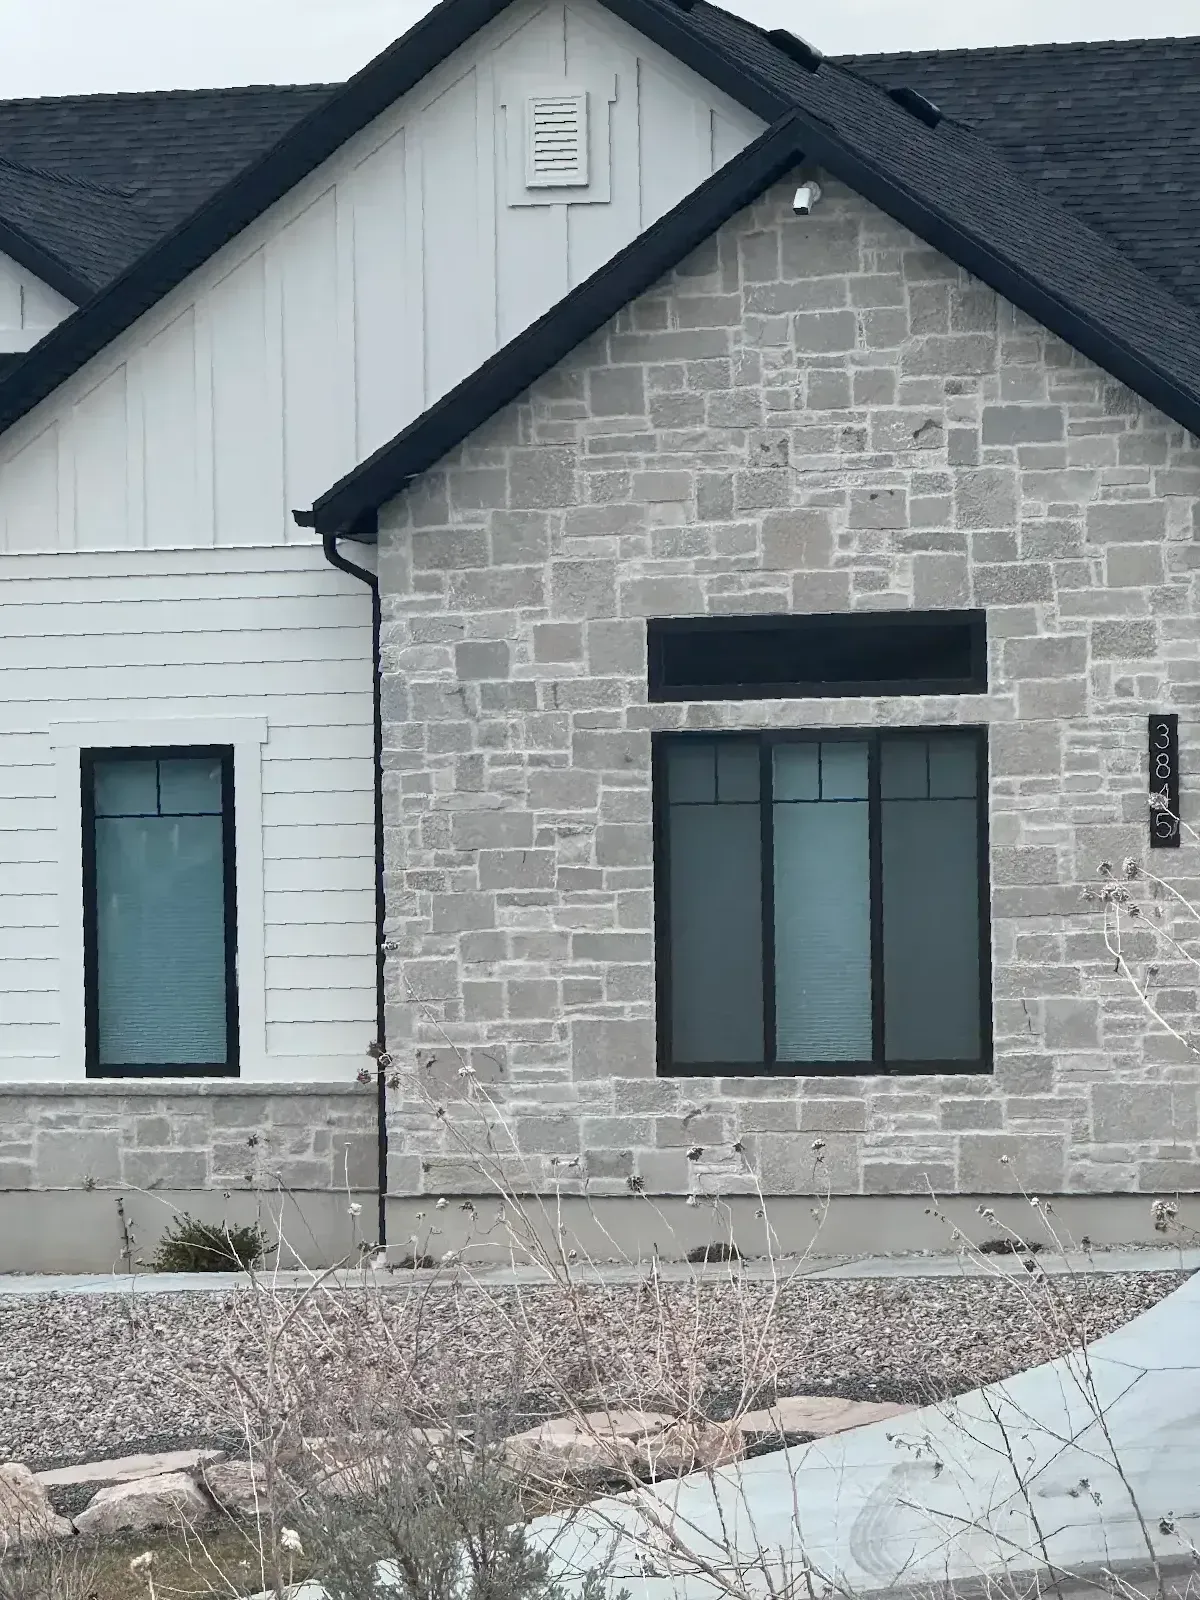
{"x":363,"y":296}
{"x":275,"y":636}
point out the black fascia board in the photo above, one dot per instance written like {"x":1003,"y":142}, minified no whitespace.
{"x":349,"y":508}
{"x":48,"y":269}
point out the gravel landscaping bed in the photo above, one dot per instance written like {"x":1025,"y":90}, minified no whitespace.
{"x":79,"y":1383}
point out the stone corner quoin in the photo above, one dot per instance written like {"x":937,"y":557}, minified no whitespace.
{"x":814,"y":414}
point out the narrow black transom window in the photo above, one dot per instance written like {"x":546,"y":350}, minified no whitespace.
{"x":160,"y":954}
{"x":821,"y":902}
{"x":759,"y":658}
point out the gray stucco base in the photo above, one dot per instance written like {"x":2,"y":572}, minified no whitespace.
{"x":79,"y":1230}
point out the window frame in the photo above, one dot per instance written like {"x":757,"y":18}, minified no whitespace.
{"x":89,"y":757}
{"x":767,"y":739}
{"x":660,"y":631}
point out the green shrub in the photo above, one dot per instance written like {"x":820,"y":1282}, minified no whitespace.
{"x":193,"y":1246}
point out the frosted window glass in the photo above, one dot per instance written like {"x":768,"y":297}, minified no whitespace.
{"x":714,"y":884}
{"x":952,"y":767}
{"x":127,"y":789}
{"x":822,"y":932}
{"x":843,"y":770}
{"x":160,"y":916}
{"x":903,"y":769}
{"x":692,"y":772}
{"x":931,"y":930}
{"x":190,"y":786}
{"x":797,"y":771}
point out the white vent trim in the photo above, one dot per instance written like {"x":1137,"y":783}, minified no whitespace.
{"x":556,"y":140}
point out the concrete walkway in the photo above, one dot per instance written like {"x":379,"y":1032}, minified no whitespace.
{"x":1128,"y":1259}
{"x":1088,"y":1462}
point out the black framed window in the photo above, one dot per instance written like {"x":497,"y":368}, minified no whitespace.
{"x":159,"y":912}
{"x":782,"y":657}
{"x":821,"y":901}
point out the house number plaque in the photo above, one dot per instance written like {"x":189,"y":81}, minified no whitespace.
{"x":1164,"y":782}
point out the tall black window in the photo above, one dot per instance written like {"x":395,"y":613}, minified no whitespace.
{"x":821,"y":901}
{"x":159,"y":912}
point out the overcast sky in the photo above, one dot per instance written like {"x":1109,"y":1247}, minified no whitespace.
{"x":83,"y":46}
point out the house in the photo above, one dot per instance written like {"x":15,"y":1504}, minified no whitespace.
{"x":614,"y":559}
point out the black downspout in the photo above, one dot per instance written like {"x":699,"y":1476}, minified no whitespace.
{"x":329,"y":542}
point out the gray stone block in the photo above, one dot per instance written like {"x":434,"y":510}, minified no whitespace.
{"x":516,"y":869}
{"x":1006,"y":1163}
{"x":63,"y":1160}
{"x":1024,"y":749}
{"x":1023,"y":424}
{"x":1072,"y":1024}
{"x":612,"y":1048}
{"x":543,"y":477}
{"x":487,"y":658}
{"x":617,"y":391}
{"x":491,"y":830}
{"x":1124,"y":641}
{"x":1143,"y":1113}
{"x":1124,"y":521}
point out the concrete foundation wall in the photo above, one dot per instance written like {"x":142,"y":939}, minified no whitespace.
{"x":811,"y":415}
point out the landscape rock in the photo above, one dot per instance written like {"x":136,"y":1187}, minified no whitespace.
{"x":26,"y":1515}
{"x":123,"y":1469}
{"x":165,"y":1501}
{"x":818,"y":1414}
{"x":682,"y":1447}
{"x":596,"y":1445}
{"x":240,"y":1487}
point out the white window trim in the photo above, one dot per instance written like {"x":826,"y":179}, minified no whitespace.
{"x":247,"y":735}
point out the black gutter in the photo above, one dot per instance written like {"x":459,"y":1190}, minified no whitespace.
{"x":335,"y":559}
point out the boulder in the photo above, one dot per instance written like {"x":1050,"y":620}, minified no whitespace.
{"x":817,"y":1414}
{"x":595,"y":1446}
{"x":165,"y":1501}
{"x":240,"y":1487}
{"x":26,"y":1515}
{"x":682,"y":1447}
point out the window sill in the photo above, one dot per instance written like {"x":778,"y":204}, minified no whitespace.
{"x":826,"y":1069}
{"x":157,"y":1070}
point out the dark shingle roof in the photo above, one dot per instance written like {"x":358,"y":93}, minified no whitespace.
{"x":95,"y":180}
{"x":1109,"y":131}
{"x":945,"y":183}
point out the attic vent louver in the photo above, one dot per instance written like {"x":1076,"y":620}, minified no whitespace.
{"x":796,"y":49}
{"x":556,"y":145}
{"x":916,"y":104}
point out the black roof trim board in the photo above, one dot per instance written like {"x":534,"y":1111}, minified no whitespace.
{"x":45,"y":267}
{"x":349,"y":508}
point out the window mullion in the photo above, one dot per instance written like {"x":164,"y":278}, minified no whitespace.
{"x":875,"y":867}
{"x":767,"y":854}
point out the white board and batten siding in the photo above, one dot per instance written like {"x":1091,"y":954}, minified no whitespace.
{"x":151,"y":576}
{"x":368,"y":292}
{"x":29,"y":308}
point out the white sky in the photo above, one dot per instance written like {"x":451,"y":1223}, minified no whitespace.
{"x":82,"y":46}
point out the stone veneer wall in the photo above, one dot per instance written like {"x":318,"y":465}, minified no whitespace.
{"x":145,"y":1134}
{"x":813,"y":414}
